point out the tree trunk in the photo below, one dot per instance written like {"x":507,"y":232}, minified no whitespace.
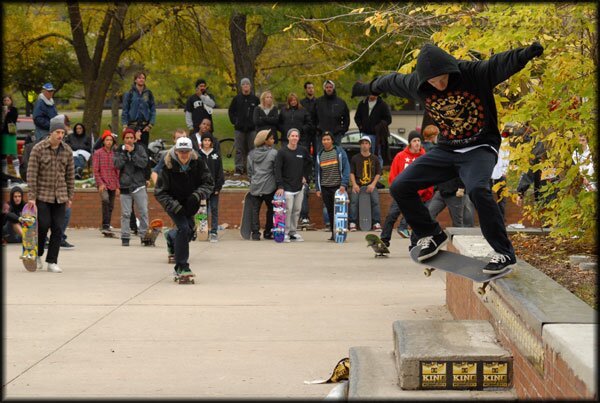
{"x":94,"y":101}
{"x":244,"y":53}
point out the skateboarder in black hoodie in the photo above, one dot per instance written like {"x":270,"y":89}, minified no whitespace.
{"x":458,"y":96}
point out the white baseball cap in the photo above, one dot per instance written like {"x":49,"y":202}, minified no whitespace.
{"x":367,"y":138}
{"x":183,"y":144}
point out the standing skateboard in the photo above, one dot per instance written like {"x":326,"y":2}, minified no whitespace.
{"x":460,"y":265}
{"x":28,"y":222}
{"x":246,"y":224}
{"x":202,"y":221}
{"x":155,"y":228}
{"x":377,"y":245}
{"x":279,"y":211}
{"x":341,"y":216}
{"x":364,"y":209}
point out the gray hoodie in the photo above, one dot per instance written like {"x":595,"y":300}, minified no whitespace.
{"x":261,"y":170}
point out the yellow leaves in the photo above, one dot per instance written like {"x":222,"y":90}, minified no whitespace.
{"x":357,"y":10}
{"x":414,"y":11}
{"x":288,"y":27}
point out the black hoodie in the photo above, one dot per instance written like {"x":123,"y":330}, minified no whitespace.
{"x":14,"y":210}
{"x":465,"y":111}
{"x":332,"y":115}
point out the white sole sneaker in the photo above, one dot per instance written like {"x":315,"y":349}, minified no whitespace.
{"x":53,"y":268}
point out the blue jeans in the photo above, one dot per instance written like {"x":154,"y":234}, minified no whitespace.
{"x":213,"y":205}
{"x":437,"y":166}
{"x":79,"y":162}
{"x":375,"y":210}
{"x":181,"y":236}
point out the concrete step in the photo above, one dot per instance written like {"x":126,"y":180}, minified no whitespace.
{"x":458,"y":354}
{"x":373,"y":376}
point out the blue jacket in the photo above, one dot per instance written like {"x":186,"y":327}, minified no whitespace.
{"x":138,"y":107}
{"x":42,"y":113}
{"x":343,"y":163}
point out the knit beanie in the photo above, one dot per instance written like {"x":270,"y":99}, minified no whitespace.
{"x":328,"y":82}
{"x":105,"y":134}
{"x":207,"y":135}
{"x":260,"y":138}
{"x":413,"y":134}
{"x":128,"y":130}
{"x":245,"y":81}
{"x":293,"y":129}
{"x":57,"y":122}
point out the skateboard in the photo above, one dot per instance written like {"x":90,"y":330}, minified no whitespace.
{"x":377,"y":244}
{"x":341,"y":372}
{"x":364,"y":209}
{"x":246,"y":224}
{"x":184,"y":278}
{"x":460,"y":265}
{"x":307,"y":227}
{"x":202,"y":221}
{"x":341,"y":216}
{"x":155,"y":228}
{"x":107,"y":233}
{"x":279,"y":211}
{"x":170,"y":248}
{"x":28,"y":222}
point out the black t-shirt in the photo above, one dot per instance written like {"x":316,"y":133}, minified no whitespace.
{"x":365,"y":168}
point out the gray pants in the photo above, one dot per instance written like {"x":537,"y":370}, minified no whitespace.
{"x":293,"y":203}
{"x":243,"y":143}
{"x":455,"y":205}
{"x":140,"y":198}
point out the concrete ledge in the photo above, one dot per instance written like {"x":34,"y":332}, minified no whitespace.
{"x":510,"y":230}
{"x":572,"y":342}
{"x":373,"y":376}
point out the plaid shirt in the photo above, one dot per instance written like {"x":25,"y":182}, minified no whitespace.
{"x":104,"y":169}
{"x":50,"y":174}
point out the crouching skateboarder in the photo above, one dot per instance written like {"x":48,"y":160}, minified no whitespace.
{"x":458,"y":96}
{"x":184,"y":180}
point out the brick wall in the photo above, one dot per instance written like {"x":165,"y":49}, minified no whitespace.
{"x":87,"y":213}
{"x":554,"y":381}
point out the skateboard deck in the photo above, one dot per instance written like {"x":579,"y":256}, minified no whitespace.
{"x":202,"y":221}
{"x":460,"y":265}
{"x":108,"y":233}
{"x":152,"y":232}
{"x":307,"y":227}
{"x":184,"y":278}
{"x":364,"y":209}
{"x":377,"y":245}
{"x":279,"y":211}
{"x":341,"y":216}
{"x":29,"y":226}
{"x":245,"y":225}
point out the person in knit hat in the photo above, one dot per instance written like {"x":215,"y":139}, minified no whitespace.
{"x":107,"y":178}
{"x":331,"y":114}
{"x":261,"y":173}
{"x":213,"y":160}
{"x":51,"y":187}
{"x":241,"y":113}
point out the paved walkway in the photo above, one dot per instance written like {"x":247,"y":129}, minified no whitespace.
{"x":261,"y":319}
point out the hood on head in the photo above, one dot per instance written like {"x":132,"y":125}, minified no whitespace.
{"x":434,"y":61}
{"x":14,"y":190}
{"x":171,"y":156}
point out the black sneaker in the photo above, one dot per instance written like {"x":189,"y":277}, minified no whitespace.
{"x":430,"y":245}
{"x":66,"y":245}
{"x":268,"y":236}
{"x":256,"y":237}
{"x":499,"y":263}
{"x":386,"y":242}
{"x":125,"y":242}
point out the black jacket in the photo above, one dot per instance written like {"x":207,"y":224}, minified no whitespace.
{"x":174,"y":186}
{"x":79,"y":141}
{"x":332,"y":115}
{"x":298,"y":118}
{"x":309,"y":105}
{"x":132,"y":167}
{"x":241,"y":112}
{"x":465,"y":111}
{"x":366,"y":123}
{"x":262,"y":121}
{"x":11,"y":117}
{"x":215,"y":165}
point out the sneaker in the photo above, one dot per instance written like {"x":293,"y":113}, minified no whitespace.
{"x":39,"y":263}
{"x":213,"y":237}
{"x":331,"y":238}
{"x":286,"y":239}
{"x":296,"y":238}
{"x":376,"y":227}
{"x":53,"y":267}
{"x":404,"y":233}
{"x":352,"y":227}
{"x":268,"y":235}
{"x":66,"y":245}
{"x":386,"y":243}
{"x":256,"y":237}
{"x":430,"y":245}
{"x":184,"y":270}
{"x":499,"y":263}
{"x":304,"y":221}
{"x":125,"y":242}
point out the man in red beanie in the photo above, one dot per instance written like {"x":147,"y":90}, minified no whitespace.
{"x":107,"y":177}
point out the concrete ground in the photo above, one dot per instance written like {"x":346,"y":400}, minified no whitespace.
{"x":261,"y":319}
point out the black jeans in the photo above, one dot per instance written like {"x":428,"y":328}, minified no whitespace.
{"x":182,"y":236}
{"x":437,"y":166}
{"x":257,"y":202}
{"x":328,"y":196}
{"x":51,"y":216}
{"x":108,"y":203}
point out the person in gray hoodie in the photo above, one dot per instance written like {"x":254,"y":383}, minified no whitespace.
{"x":261,"y":172}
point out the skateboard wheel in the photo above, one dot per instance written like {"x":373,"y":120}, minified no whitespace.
{"x":427,"y":272}
{"x":481,"y":291}
{"x":193,"y":282}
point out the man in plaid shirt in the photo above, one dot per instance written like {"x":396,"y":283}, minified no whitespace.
{"x":51,"y":183}
{"x":107,"y":177}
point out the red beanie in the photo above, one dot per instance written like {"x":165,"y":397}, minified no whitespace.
{"x":106,"y":134}
{"x":128,"y":130}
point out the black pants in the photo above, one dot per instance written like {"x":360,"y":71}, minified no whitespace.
{"x":328,"y":196}
{"x":501,"y":200}
{"x":182,"y":237}
{"x":51,"y":216}
{"x":108,"y":203}
{"x":437,"y":166}
{"x":257,"y":202}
